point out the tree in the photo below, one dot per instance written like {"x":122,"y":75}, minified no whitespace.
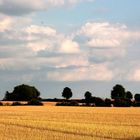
{"x":124,"y":102}
{"x":22,"y":93}
{"x":118,"y":92}
{"x":129,"y":95}
{"x":7,"y":96}
{"x":99,"y":102}
{"x":108,"y":102}
{"x":137,"y":97}
{"x":88,"y":97}
{"x":35,"y":102}
{"x":67,"y":93}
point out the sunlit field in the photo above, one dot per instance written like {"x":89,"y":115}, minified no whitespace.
{"x":68,"y":123}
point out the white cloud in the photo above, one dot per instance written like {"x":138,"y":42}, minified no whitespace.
{"x":106,"y":41}
{"x":9,"y":23}
{"x":46,"y":38}
{"x":104,"y":34}
{"x":135,"y":75}
{"x":103,"y":43}
{"x":40,"y":37}
{"x":69,"y":46}
{"x":23,"y":7}
{"x":36,"y":47}
{"x":16,"y":7}
{"x":34,"y":29}
{"x":92,"y":72}
{"x":5,"y":23}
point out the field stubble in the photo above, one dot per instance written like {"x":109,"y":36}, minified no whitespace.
{"x":69,"y":123}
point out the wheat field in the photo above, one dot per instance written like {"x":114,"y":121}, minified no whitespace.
{"x":69,"y":123}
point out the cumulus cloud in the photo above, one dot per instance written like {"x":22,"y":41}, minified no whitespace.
{"x":48,"y":39}
{"x":5,"y":23}
{"x":91,"y":53}
{"x":18,"y":8}
{"x":106,"y":41}
{"x":104,"y":34}
{"x":92,"y":72}
{"x":69,"y":46}
{"x":134,"y":75}
{"x":103,"y":43}
{"x":34,"y":29}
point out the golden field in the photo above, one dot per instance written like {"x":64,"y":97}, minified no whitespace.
{"x":69,"y":123}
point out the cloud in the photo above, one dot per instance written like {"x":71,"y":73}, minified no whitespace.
{"x":106,"y":41}
{"x":48,"y":39}
{"x":34,"y":29}
{"x":69,"y":46}
{"x":92,"y":72}
{"x":40,"y":37}
{"x":18,"y":8}
{"x":103,"y":43}
{"x":5,"y":23}
{"x":104,"y":34}
{"x":134,"y":75}
{"x":94,"y":52}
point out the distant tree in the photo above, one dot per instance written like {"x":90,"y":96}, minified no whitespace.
{"x":7,"y":96}
{"x":129,"y":95}
{"x":108,"y":102}
{"x":88,"y":97}
{"x":118,"y":92}
{"x":99,"y":102}
{"x":1,"y":104}
{"x":71,"y":103}
{"x":124,"y":102}
{"x":16,"y":103}
{"x":67,"y":93}
{"x":137,"y":97}
{"x":22,"y":93}
{"x":35,"y":102}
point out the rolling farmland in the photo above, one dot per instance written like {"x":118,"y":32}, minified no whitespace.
{"x":68,"y":123}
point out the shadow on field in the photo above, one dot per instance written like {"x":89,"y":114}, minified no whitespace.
{"x":138,"y":138}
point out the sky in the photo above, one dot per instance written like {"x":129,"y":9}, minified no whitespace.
{"x":87,"y":45}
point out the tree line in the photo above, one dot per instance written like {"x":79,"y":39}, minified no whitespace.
{"x":119,"y":97}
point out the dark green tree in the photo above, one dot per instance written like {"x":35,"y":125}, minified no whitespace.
{"x":35,"y":102}
{"x":129,"y":95}
{"x":67,"y":93}
{"x":99,"y":102}
{"x":124,"y":102}
{"x":118,"y":92}
{"x":88,"y":97}
{"x":137,"y":97}
{"x":22,"y":93}
{"x":108,"y":102}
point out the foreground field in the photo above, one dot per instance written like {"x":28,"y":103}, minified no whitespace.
{"x":69,"y":123}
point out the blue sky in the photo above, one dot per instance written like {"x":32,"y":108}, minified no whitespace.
{"x":84,"y":44}
{"x":126,"y":11}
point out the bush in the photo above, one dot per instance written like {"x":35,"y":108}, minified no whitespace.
{"x":35,"y":102}
{"x":1,"y":104}
{"x":136,"y":104}
{"x":108,"y":102}
{"x":16,"y":104}
{"x":99,"y":102}
{"x":72,"y":103}
{"x":122,"y":103}
{"x":59,"y":104}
